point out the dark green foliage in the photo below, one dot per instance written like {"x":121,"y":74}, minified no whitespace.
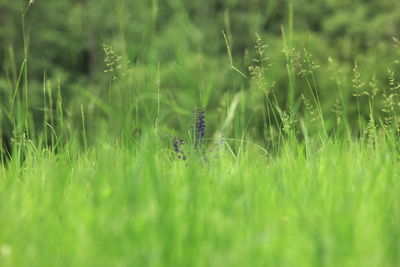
{"x":171,"y":56}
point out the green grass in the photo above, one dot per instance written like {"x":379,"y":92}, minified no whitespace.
{"x":305,"y":173}
{"x":118,"y":205}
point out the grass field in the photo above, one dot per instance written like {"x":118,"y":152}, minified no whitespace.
{"x":133,"y":206}
{"x":183,"y":149}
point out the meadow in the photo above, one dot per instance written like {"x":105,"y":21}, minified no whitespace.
{"x":173,"y":133}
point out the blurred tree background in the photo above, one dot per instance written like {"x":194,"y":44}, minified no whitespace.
{"x":174,"y":51}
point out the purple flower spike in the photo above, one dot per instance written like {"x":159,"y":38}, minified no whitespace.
{"x":177,"y":146}
{"x":199,"y":129}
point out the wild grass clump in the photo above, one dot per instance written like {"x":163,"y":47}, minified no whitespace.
{"x":196,"y":137}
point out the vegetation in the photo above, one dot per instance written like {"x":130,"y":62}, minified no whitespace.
{"x":199,"y":133}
